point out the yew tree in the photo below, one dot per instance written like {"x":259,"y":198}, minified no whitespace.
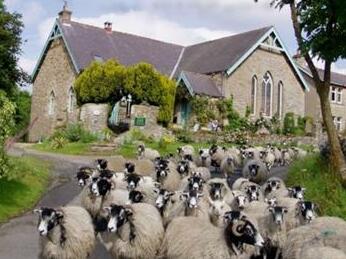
{"x":320,"y":31}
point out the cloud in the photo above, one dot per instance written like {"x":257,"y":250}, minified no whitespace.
{"x":148,"y":25}
{"x":44,"y":29}
{"x":32,"y":13}
{"x":27,"y":64}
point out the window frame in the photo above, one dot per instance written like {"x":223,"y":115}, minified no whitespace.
{"x":71,"y":101}
{"x":280,"y":99}
{"x":254,"y":83}
{"x":51,"y":103}
{"x":264,"y":101}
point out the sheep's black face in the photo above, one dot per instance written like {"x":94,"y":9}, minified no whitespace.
{"x":242,"y":231}
{"x":216,"y":191}
{"x":253,"y":169}
{"x":278,"y":214}
{"x":132,"y":181}
{"x":262,"y":154}
{"x":204,"y":154}
{"x":271,"y":202}
{"x":161,"y":173}
{"x":101,"y":164}
{"x":272,"y":185}
{"x":191,"y":198}
{"x":307,"y":210}
{"x":232,"y":215}
{"x":118,"y":216}
{"x":229,"y":160}
{"x":136,"y":196}
{"x":253,"y":192}
{"x":130,"y":167}
{"x":162,"y":198}
{"x":196,"y":183}
{"x":100,"y":187}
{"x":48,"y":219}
{"x":106,"y":174}
{"x":82,"y":178}
{"x":183,"y":167}
{"x":188,"y":157}
{"x":297,"y":192}
{"x":213,"y":149}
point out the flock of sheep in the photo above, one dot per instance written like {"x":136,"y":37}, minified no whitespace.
{"x":187,"y":206}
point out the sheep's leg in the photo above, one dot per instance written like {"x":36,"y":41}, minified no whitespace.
{"x":277,"y":255}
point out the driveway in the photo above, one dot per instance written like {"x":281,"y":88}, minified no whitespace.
{"x":19,"y":238}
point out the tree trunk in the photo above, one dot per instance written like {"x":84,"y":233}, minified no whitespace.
{"x":337,"y":158}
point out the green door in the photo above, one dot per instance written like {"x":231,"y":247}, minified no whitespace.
{"x":185,"y":110}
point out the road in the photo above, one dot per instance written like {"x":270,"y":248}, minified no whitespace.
{"x":19,"y":238}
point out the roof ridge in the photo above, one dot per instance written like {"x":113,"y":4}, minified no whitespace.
{"x":130,"y":34}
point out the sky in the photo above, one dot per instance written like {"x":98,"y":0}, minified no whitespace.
{"x":183,"y":22}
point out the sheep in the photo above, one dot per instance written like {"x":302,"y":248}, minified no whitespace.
{"x":65,"y":233}
{"x":116,"y":163}
{"x":240,"y":200}
{"x":188,"y":237}
{"x":216,"y":211}
{"x":135,"y":231}
{"x":235,"y":154}
{"x":194,"y":205}
{"x":324,"y":232}
{"x":217,"y":154}
{"x":148,"y":153}
{"x":203,"y":159}
{"x":296,"y":192}
{"x":269,"y":159}
{"x":286,"y":157}
{"x":186,"y":151}
{"x":169,"y":178}
{"x":227,"y":166}
{"x":299,"y":153}
{"x":84,"y":175}
{"x":278,"y":155}
{"x":239,"y":182}
{"x":185,"y":167}
{"x":275,"y":187}
{"x":202,"y":172}
{"x":252,"y":190}
{"x":306,"y":212}
{"x":145,"y":167}
{"x":255,"y":171}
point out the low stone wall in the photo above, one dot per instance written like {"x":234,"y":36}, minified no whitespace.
{"x":94,"y":116}
{"x":149,"y":112}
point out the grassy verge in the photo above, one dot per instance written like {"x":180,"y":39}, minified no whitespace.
{"x":322,"y":186}
{"x":21,"y":194}
{"x":74,"y":148}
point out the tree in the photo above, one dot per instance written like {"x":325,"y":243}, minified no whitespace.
{"x":320,"y":31}
{"x":11,"y":28}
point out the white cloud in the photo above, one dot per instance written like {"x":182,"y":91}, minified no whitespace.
{"x":27,"y":64}
{"x":148,"y":25}
{"x":44,"y":29}
{"x":335,"y":66}
{"x":32,"y":13}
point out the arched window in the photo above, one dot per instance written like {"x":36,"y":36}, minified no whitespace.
{"x":71,"y":100}
{"x":279,"y":108}
{"x":51,"y":103}
{"x":267,"y":87}
{"x":253,"y":95}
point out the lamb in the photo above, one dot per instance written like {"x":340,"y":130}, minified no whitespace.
{"x":148,"y":153}
{"x":135,"y":231}
{"x":255,"y":171}
{"x":227,"y":166}
{"x":324,"y":232}
{"x":185,"y":151}
{"x":65,"y":233}
{"x":188,"y":237}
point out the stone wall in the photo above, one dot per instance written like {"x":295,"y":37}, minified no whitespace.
{"x":149,"y":112}
{"x":238,"y":84}
{"x":94,"y":116}
{"x":56,"y":74}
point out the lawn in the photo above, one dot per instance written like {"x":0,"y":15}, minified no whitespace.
{"x":322,"y":186}
{"x":74,"y":148}
{"x":20,"y":195}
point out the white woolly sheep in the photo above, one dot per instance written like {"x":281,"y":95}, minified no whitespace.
{"x":329,"y":232}
{"x":274,"y":187}
{"x":286,"y":157}
{"x":202,"y":172}
{"x":149,"y":153}
{"x":227,"y":166}
{"x":65,"y":233}
{"x":216,"y":211}
{"x":203,"y":158}
{"x":269,"y":159}
{"x":217,"y":154}
{"x":239,"y":182}
{"x":235,"y":154}
{"x":135,"y":231}
{"x":185,"y":151}
{"x":169,"y":178}
{"x":255,"y":171}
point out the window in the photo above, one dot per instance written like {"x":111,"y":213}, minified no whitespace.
{"x":71,"y":100}
{"x":338,"y":123}
{"x":253,"y":95}
{"x":51,"y":103}
{"x":336,"y":95}
{"x":267,"y":95}
{"x":279,"y":108}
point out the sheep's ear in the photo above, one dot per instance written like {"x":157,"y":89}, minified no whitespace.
{"x":128,"y":212}
{"x":271,"y":209}
{"x":233,"y":193}
{"x":37,"y":211}
{"x":107,"y":209}
{"x":157,"y":184}
{"x":155,"y":190}
{"x":59,"y":214}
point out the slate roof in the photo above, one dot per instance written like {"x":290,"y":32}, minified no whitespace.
{"x":335,"y":78}
{"x":86,"y":42}
{"x":202,"y":84}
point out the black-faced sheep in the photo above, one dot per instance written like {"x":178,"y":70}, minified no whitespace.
{"x":185,"y":151}
{"x":255,"y":171}
{"x":65,"y":233}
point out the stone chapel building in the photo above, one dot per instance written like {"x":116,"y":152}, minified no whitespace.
{"x":253,"y":67}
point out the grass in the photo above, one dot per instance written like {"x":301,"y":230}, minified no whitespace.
{"x":20,"y":195}
{"x":74,"y":148}
{"x":322,"y":186}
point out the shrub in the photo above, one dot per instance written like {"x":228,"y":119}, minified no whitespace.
{"x":201,"y":108}
{"x":289,"y":124}
{"x":184,"y":136}
{"x":74,"y":132}
{"x":165,"y":140}
{"x":58,"y":142}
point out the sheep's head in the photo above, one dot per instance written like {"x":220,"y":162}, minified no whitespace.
{"x":118,"y":216}
{"x":100,"y":186}
{"x":132,"y":181}
{"x":253,"y":169}
{"x":191,"y":198}
{"x":163,"y":196}
{"x":272,"y":202}
{"x":196,"y":182}
{"x":217,"y":190}
{"x":204,"y":154}
{"x":48,"y":218}
{"x":101,"y":164}
{"x":241,"y":231}
{"x":253,"y":192}
{"x":278,"y":213}
{"x":140,"y":149}
{"x":307,"y":210}
{"x":161,"y":173}
{"x":217,"y":207}
{"x":183,"y":167}
{"x":296,"y":192}
{"x":135,"y":196}
{"x":272,"y":185}
{"x":240,"y":199}
{"x":129,"y":167}
{"x":213,"y":149}
{"x":83,"y":177}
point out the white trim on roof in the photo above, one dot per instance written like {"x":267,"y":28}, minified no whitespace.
{"x":54,"y":34}
{"x":183,"y":78}
{"x":178,"y":63}
{"x":255,"y":46}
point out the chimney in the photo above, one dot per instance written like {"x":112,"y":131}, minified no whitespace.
{"x":299,"y":59}
{"x":108,"y":27}
{"x":65,"y":14}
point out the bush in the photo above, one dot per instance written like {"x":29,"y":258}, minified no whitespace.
{"x":74,"y":132}
{"x":202,"y":110}
{"x":289,"y":124}
{"x":235,"y":121}
{"x":58,"y":142}
{"x":184,"y":136}
{"x":165,"y":141}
